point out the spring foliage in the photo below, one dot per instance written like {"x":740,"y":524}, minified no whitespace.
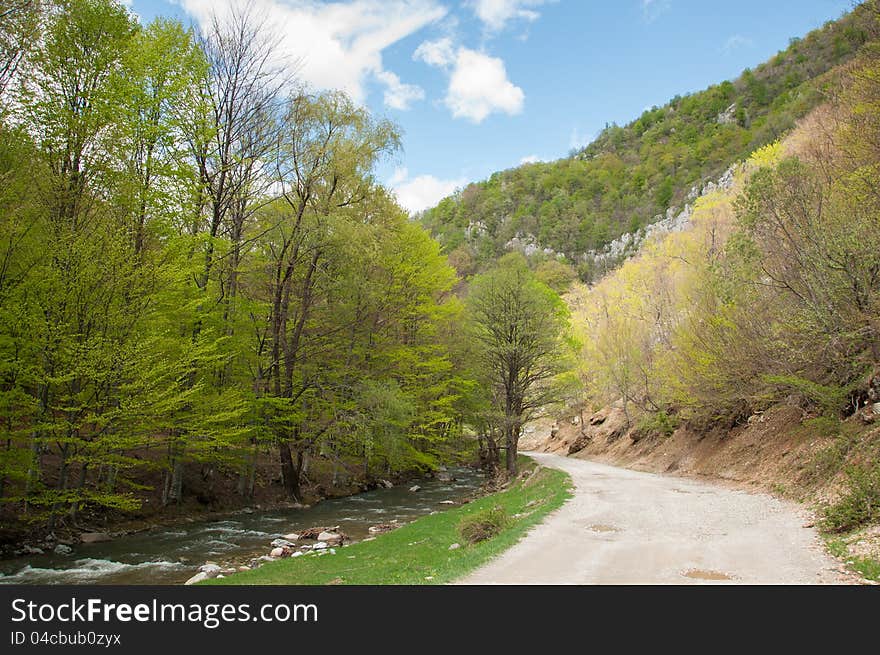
{"x":772,"y":293}
{"x":198,"y":270}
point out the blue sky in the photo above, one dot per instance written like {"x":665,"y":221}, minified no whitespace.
{"x":482,"y":85}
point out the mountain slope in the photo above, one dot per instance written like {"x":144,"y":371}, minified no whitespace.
{"x":630,"y":176}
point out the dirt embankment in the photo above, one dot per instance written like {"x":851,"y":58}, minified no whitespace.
{"x":782,"y":451}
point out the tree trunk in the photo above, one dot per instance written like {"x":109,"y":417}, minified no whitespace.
{"x":80,"y":483}
{"x":290,"y":471}
{"x":512,"y":444}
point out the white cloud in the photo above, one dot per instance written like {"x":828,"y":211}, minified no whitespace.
{"x":651,"y":9}
{"x":735,"y":42}
{"x":495,"y":14}
{"x":478,"y":83}
{"x":530,"y":159}
{"x":397,"y":94}
{"x":338,"y":45}
{"x":421,"y":192}
{"x":439,"y":53}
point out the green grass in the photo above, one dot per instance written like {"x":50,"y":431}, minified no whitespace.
{"x":418,"y":553}
{"x":867,"y":567}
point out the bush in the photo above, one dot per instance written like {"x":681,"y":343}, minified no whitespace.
{"x":483,"y":525}
{"x":861,"y":503}
{"x":655,"y":423}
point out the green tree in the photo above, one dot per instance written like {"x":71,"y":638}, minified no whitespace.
{"x":519,"y":326}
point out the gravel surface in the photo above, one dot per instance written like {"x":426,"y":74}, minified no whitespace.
{"x":629,"y":527}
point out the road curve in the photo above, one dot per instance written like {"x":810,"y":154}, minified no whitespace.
{"x":629,"y":527}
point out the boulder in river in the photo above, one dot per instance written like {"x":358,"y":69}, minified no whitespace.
{"x":31,"y":550}
{"x":386,"y":484}
{"x":330,"y":537}
{"x":282,"y":543}
{"x":94,"y":537}
{"x":293,"y":536}
{"x":313,"y":533}
{"x":63,"y":549}
{"x":210,"y":569}
{"x":382,"y":527}
{"x":415,"y":488}
{"x":198,"y":577}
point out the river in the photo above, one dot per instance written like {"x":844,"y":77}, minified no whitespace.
{"x":171,"y":555}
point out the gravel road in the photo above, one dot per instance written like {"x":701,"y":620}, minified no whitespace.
{"x":628,"y":527}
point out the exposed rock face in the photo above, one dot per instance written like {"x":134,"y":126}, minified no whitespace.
{"x":675,"y":220}
{"x":727,"y":116}
{"x":62,"y":549}
{"x":608,"y":424}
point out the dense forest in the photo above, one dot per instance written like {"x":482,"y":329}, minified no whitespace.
{"x":201,"y":280}
{"x":561,"y":211}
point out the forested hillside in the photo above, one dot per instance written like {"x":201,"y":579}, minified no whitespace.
{"x":206,"y":297}
{"x":629,"y":176}
{"x":199,"y":272}
{"x":768,"y":304}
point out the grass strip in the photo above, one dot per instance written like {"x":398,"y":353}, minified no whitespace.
{"x":418,"y":553}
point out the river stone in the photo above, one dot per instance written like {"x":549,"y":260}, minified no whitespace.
{"x":210,"y":569}
{"x":277,"y":552}
{"x":298,"y":553}
{"x":94,"y":537}
{"x":62,"y":549}
{"x":386,"y":484}
{"x":415,"y":488}
{"x":447,"y":502}
{"x":198,"y":577}
{"x":321,"y":545}
{"x":281,"y":543}
{"x":330,"y":537}
{"x":293,"y":536}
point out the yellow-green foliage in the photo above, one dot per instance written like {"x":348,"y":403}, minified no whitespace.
{"x":631,"y":321}
{"x":773,"y":291}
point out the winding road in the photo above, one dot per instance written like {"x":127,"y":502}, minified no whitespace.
{"x":629,"y":527}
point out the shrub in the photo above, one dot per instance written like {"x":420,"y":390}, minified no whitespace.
{"x":860,"y":504}
{"x":655,"y":423}
{"x":483,"y":525}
